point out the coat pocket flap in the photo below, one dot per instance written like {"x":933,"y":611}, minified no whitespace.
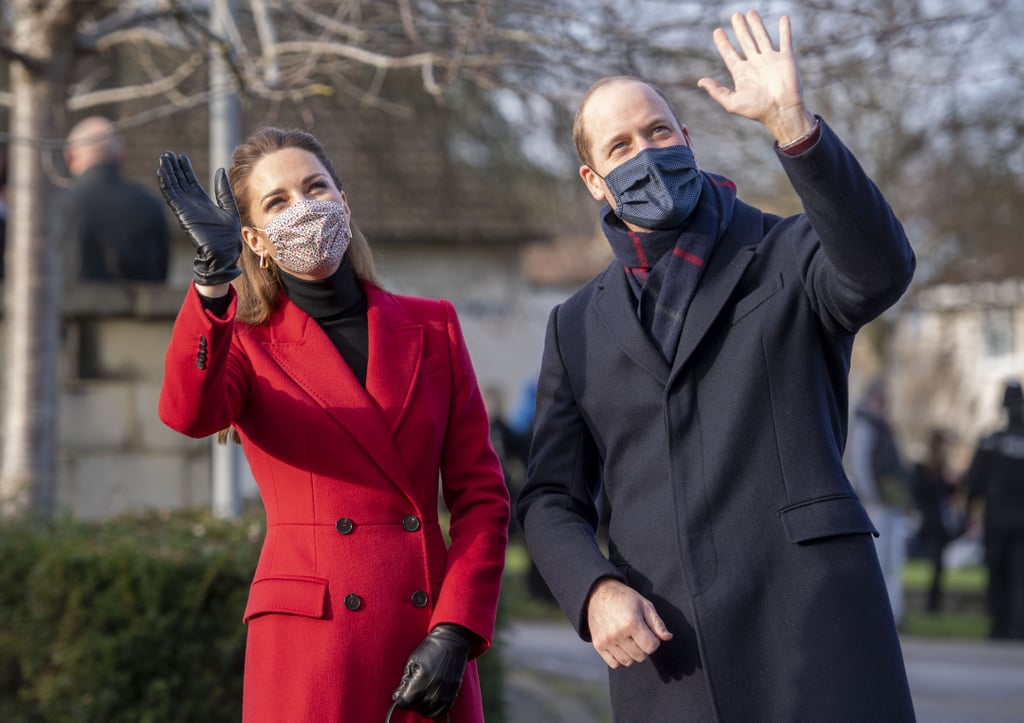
{"x":306,"y":596}
{"x":826,"y":517}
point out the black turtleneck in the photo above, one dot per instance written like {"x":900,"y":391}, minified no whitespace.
{"x":337,"y":304}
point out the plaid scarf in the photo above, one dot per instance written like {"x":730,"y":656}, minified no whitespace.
{"x":664,"y":283}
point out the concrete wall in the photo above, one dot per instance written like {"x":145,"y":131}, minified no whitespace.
{"x":115,"y":455}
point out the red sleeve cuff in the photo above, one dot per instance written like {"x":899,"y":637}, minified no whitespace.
{"x":804,"y":142}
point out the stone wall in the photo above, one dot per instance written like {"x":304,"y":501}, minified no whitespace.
{"x":115,"y":455}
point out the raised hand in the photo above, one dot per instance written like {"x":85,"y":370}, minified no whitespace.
{"x":767,"y":86}
{"x":214,"y":228}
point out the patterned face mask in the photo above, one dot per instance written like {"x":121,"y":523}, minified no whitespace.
{"x":657,"y":188}
{"x":310,"y":237}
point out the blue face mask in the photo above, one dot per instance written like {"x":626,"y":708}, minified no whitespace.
{"x":658,"y":188}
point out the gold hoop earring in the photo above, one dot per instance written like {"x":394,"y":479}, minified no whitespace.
{"x":264,"y":263}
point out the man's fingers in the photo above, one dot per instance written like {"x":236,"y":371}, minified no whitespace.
{"x":743,"y":36}
{"x":785,"y":35}
{"x":657,"y":626}
{"x":759,"y":31}
{"x":625,"y":654}
{"x":725,"y":49}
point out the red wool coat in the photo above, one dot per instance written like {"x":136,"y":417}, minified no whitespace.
{"x":354,"y":570}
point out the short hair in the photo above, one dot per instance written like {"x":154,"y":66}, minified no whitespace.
{"x":96,"y":139}
{"x":579,"y":131}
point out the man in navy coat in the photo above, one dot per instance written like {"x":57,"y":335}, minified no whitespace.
{"x":702,"y":379}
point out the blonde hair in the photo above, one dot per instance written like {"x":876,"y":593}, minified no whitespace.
{"x":259,"y":289}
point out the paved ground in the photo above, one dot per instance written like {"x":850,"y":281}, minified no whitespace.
{"x":555,"y":678}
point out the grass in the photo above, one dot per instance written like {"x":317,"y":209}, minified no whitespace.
{"x":962,"y":617}
{"x":963,"y":614}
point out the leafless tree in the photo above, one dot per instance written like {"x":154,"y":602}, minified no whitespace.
{"x":897,"y":77}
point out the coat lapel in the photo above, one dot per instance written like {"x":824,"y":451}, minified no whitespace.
{"x":727,"y":265}
{"x":396,"y":353}
{"x":305,"y":353}
{"x":617,"y":307}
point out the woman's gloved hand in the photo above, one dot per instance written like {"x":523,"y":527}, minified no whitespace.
{"x":433,"y":674}
{"x":214,"y":228}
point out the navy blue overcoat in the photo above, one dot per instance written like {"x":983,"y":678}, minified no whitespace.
{"x":728,"y":504}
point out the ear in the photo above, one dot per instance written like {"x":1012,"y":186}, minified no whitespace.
{"x":256,"y":242}
{"x":593,"y":182}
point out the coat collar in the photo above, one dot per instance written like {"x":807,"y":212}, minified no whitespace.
{"x":616,"y":306}
{"x":371,"y":415}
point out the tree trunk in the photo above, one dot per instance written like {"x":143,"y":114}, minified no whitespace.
{"x":41,"y":33}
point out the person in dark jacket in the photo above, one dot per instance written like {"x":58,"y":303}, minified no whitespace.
{"x":700,"y":383}
{"x":996,"y":477}
{"x":934,"y":490}
{"x":113,"y":229}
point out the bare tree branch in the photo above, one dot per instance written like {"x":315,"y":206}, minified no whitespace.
{"x":134,"y":92}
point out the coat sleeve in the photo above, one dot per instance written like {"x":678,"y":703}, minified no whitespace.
{"x":206,"y":377}
{"x":477,"y":500}
{"x":863,"y":261}
{"x":557,"y":508}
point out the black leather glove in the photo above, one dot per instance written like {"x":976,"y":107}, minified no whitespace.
{"x":214,"y":228}
{"x":434,"y":672}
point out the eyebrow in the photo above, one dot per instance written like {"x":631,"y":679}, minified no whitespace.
{"x":305,"y":180}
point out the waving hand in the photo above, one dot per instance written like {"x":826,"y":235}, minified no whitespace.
{"x":767,"y":86}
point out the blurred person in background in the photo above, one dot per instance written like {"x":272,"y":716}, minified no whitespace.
{"x":995,"y":478}
{"x":112,"y":228}
{"x":934,"y":492}
{"x":882,"y":482}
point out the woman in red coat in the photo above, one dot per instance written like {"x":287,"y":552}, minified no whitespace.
{"x":350,"y":404}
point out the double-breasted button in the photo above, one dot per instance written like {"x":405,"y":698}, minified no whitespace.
{"x":345,"y":525}
{"x":411,"y":523}
{"x":201,"y":355}
{"x":353,"y":601}
{"x":419,"y":599}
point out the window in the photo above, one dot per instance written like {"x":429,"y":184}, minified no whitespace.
{"x":997,"y":332}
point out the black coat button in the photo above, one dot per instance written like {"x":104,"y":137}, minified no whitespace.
{"x":345,"y":525}
{"x":353,"y":601}
{"x":419,"y":599}
{"x":411,"y":523}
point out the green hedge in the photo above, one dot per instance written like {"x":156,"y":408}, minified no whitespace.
{"x":136,"y":619}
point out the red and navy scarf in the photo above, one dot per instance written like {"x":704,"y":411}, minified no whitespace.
{"x":664,"y":267}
